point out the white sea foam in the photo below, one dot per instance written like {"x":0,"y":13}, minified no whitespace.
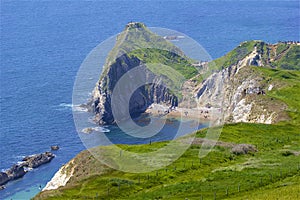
{"x":101,"y":129}
{"x":20,"y":157}
{"x":20,"y":162}
{"x":95,"y":129}
{"x":69,"y":105}
{"x":27,"y":169}
{"x":79,"y":108}
{"x":75,"y":108}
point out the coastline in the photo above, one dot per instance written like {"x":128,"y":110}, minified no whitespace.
{"x":199,"y":113}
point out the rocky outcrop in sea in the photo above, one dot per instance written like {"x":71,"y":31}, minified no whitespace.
{"x":20,"y":169}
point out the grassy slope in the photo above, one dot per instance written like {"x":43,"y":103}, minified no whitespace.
{"x":280,"y":56}
{"x":149,"y":47}
{"x":290,"y":60}
{"x":271,"y":173}
{"x":180,"y":64}
{"x":219,"y":170}
{"x":231,"y":58}
{"x":287,"y":189}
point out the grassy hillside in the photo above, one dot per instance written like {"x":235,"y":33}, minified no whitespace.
{"x":190,"y":177}
{"x":277,"y":56}
{"x":180,"y":64}
{"x":290,"y":59}
{"x":232,"y":57}
{"x":137,"y":41}
{"x":270,"y":173}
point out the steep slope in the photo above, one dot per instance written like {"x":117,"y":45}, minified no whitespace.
{"x":136,"y":47}
{"x":282,"y":55}
{"x":244,"y":89}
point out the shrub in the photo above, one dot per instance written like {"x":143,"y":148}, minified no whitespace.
{"x":287,"y":153}
{"x":243,"y":149}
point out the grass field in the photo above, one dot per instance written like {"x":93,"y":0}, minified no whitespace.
{"x":221,"y":173}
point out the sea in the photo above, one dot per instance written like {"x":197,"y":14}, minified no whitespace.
{"x":44,"y":43}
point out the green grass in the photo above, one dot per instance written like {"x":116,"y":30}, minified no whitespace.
{"x":289,"y":83}
{"x":134,"y":41}
{"x":220,"y":173}
{"x":291,"y":60}
{"x":231,"y":58}
{"x":281,"y":48}
{"x":180,"y":64}
{"x":287,"y":189}
{"x":189,"y":178}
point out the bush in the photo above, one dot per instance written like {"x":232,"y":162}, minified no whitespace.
{"x":287,"y":153}
{"x":243,"y":149}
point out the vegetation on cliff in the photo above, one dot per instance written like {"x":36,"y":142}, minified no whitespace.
{"x":139,"y":42}
{"x":282,"y":55}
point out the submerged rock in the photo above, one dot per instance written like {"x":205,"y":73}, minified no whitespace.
{"x":87,"y":130}
{"x":54,"y":148}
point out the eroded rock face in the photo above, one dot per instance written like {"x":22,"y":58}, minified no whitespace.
{"x":61,"y":177}
{"x":140,"y":100}
{"x":135,"y":47}
{"x":237,"y":90}
{"x":3,"y":178}
{"x":37,"y":160}
{"x":15,"y":172}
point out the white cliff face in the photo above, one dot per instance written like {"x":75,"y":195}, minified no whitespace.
{"x":61,"y":177}
{"x":241,"y":111}
{"x":235,"y":90}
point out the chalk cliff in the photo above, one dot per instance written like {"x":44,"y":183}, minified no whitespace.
{"x":240,"y":87}
{"x":136,"y":47}
{"x":230,"y":83}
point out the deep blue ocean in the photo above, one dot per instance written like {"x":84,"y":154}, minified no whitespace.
{"x":44,"y":43}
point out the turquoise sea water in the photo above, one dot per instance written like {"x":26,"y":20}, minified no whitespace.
{"x":44,"y":43}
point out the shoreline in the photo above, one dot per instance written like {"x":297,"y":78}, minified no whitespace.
{"x":200,"y":113}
